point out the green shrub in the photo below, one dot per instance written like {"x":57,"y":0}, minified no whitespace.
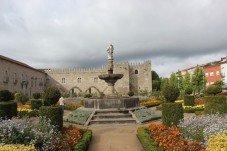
{"x":36,"y":104}
{"x":214,"y":89}
{"x":83,"y":144}
{"x":53,"y":113}
{"x":10,"y":109}
{"x":36,"y":95}
{"x":2,"y":114}
{"x":215,"y":104}
{"x":18,"y":96}
{"x":147,"y":142}
{"x":171,"y":93}
{"x":24,"y":99}
{"x":189,"y":100}
{"x":188,"y":90}
{"x":87,"y":95}
{"x":130,"y":93}
{"x":51,"y":95}
{"x":5,"y":95}
{"x":172,"y":113}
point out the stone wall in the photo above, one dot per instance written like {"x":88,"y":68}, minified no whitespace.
{"x":86,"y":80}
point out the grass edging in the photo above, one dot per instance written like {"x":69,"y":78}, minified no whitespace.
{"x":147,"y":142}
{"x":83,"y":144}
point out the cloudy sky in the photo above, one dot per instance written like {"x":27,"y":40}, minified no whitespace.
{"x":173,"y":34}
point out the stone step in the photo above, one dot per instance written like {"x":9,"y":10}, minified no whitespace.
{"x":111,"y":112}
{"x":111,"y":116}
{"x":123,"y":121}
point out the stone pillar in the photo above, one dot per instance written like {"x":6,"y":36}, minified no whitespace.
{"x":110,"y":66}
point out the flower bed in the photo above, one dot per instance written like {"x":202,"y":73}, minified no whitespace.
{"x":169,"y":138}
{"x":150,"y":103}
{"x":42,"y":136}
{"x":78,"y":116}
{"x":193,"y":109}
{"x":144,"y":115}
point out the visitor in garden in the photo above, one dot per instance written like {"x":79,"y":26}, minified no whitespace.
{"x":61,"y":102}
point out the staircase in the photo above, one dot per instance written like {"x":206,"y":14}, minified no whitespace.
{"x":111,"y":117}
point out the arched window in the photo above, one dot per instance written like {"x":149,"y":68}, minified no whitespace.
{"x":136,"y":71}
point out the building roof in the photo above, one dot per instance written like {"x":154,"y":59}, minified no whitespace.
{"x":19,"y":63}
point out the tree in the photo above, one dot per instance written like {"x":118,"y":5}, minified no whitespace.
{"x":173,"y":80}
{"x":155,"y":81}
{"x":187,"y":80}
{"x":51,"y":95}
{"x":180,"y":80}
{"x":198,"y":80}
{"x":164,"y":83}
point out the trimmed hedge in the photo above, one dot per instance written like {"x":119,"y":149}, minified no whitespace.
{"x":189,"y":100}
{"x":9,"y":108}
{"x":36,"y":104}
{"x":171,"y":93}
{"x":83,"y":144}
{"x":215,"y":104}
{"x":2,"y":114}
{"x":147,"y":142}
{"x":53,"y":113}
{"x":172,"y":113}
{"x":5,"y":96}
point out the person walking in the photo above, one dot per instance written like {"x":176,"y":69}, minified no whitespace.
{"x":61,"y":102}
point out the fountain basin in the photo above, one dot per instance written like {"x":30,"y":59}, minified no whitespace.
{"x":110,"y":78}
{"x":107,"y":103}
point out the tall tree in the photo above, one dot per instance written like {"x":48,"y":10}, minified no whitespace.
{"x":155,"y":81}
{"x":173,"y":80}
{"x":180,"y":80}
{"x":187,"y":80}
{"x":198,"y":80}
{"x":164,"y":83}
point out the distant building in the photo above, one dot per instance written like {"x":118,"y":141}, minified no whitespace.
{"x":19,"y":77}
{"x":214,"y":71}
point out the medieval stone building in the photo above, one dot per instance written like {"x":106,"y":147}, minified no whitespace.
{"x":137,"y":77}
{"x":19,"y":77}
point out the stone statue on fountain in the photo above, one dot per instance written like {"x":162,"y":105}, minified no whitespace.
{"x":110,"y":51}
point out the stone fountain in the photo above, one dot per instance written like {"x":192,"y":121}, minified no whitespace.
{"x":111,"y":100}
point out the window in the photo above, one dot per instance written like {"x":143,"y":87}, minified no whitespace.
{"x":217,"y":73}
{"x":5,"y":76}
{"x":136,"y":71}
{"x":207,"y":84}
{"x":206,"y":74}
{"x":78,"y":80}
{"x":96,"y":80}
{"x":15,"y":78}
{"x":63,"y":80}
{"x":211,"y":73}
{"x":211,"y":82}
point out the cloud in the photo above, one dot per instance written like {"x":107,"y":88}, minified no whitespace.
{"x":73,"y":33}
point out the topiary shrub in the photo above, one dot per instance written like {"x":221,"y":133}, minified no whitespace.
{"x":54,"y":113}
{"x":214,"y":89}
{"x":130,"y":93}
{"x":172,"y":113}
{"x":9,"y":108}
{"x":2,"y":114}
{"x":51,"y":95}
{"x":18,"y":96}
{"x":170,"y":93}
{"x":36,"y":104}
{"x":188,"y":90}
{"x":36,"y":95}
{"x":189,"y":100}
{"x":5,"y":95}
{"x":215,"y":104}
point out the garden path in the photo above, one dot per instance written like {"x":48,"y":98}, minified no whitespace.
{"x":118,"y":138}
